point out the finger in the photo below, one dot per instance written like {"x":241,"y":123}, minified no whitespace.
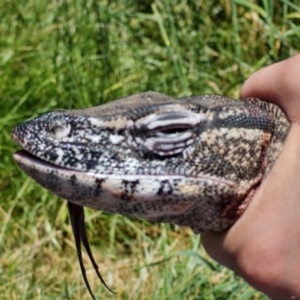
{"x":279,"y":84}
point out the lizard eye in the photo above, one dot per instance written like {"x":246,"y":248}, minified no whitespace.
{"x":60,"y":131}
{"x":167,"y":133}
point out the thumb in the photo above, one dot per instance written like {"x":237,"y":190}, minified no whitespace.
{"x":279,"y":84}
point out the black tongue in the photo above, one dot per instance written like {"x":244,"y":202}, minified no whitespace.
{"x":76,"y":213}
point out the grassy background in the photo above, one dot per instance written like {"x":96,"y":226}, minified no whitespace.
{"x":75,"y":54}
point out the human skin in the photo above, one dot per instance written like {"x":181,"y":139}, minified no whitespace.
{"x":263,"y":246}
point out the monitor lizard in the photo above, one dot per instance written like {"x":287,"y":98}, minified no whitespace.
{"x":196,"y":161}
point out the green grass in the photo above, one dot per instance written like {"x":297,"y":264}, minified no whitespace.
{"x":76,"y":54}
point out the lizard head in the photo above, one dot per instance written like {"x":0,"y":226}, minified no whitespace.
{"x":151,"y":156}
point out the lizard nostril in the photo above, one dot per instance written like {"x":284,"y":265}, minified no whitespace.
{"x":60,"y":131}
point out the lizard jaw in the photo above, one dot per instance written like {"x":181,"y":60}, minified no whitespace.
{"x":148,"y":197}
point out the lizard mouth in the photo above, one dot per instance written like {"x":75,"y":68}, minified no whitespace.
{"x":32,"y":164}
{"x":23,"y":157}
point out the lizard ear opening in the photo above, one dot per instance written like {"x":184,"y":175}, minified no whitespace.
{"x":167,"y":133}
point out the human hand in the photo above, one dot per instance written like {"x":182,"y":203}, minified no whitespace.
{"x":263,"y":245}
